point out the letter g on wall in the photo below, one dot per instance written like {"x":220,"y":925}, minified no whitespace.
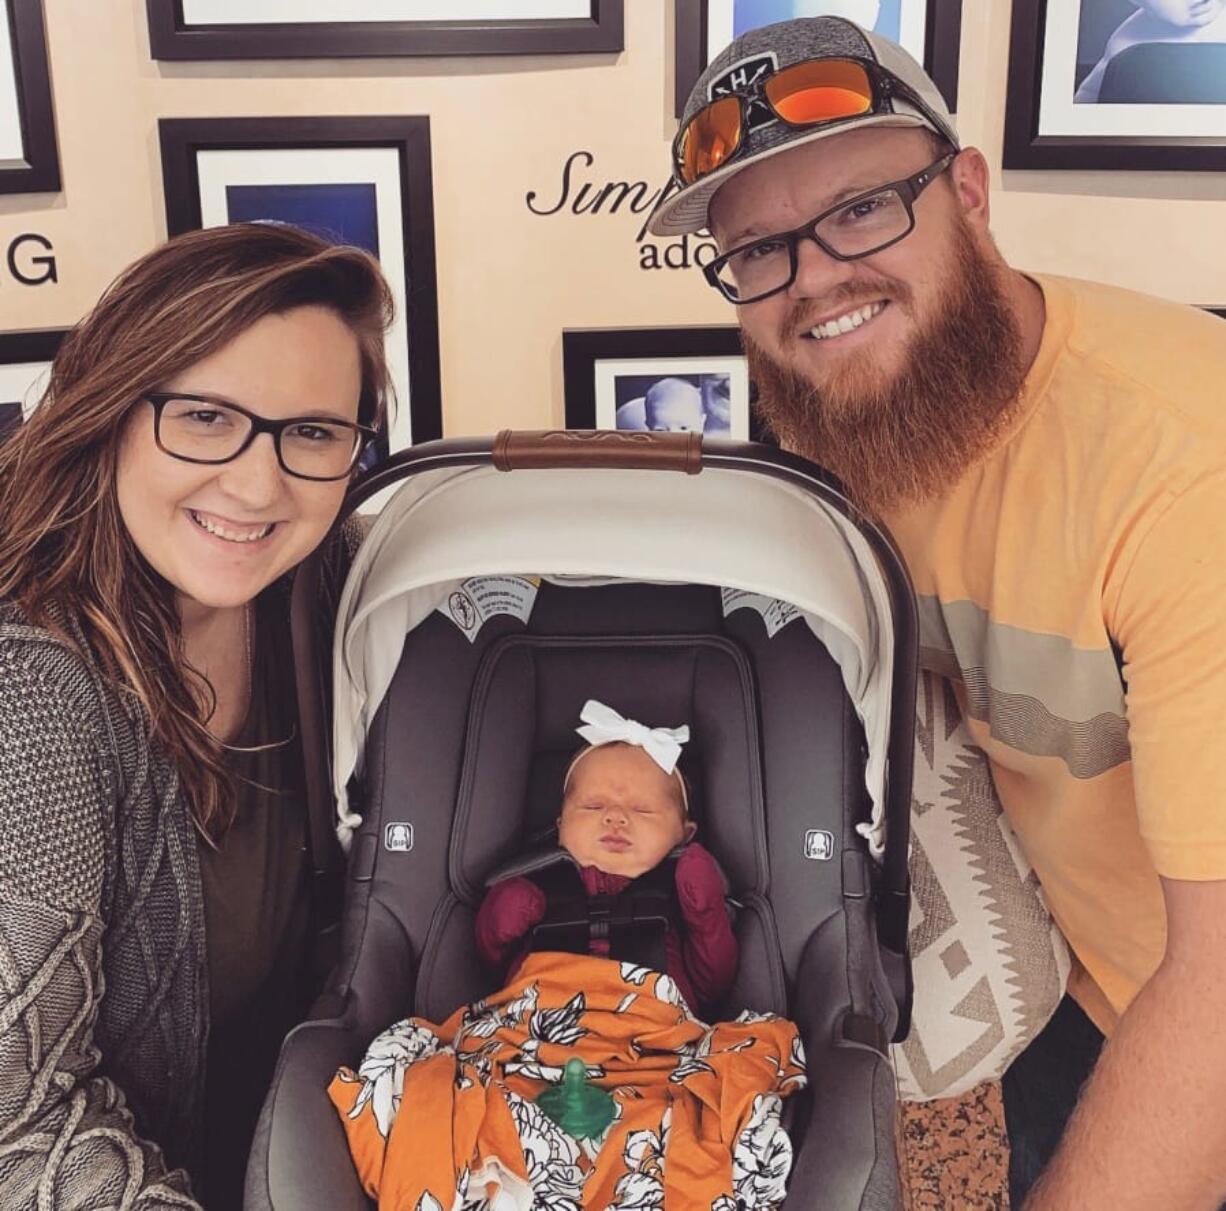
{"x":28,"y":268}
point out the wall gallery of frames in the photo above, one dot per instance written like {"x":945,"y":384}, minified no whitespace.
{"x":500,"y":158}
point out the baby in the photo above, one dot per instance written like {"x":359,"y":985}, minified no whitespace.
{"x":582,"y":1082}
{"x":1157,"y":21}
{"x":674,"y":405}
{"x":625,"y":809}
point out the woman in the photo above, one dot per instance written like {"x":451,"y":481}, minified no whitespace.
{"x":194,"y":444}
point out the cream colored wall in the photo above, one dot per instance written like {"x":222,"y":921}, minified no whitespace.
{"x":510,"y":281}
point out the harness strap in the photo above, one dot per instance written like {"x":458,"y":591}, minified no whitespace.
{"x":633,"y":922}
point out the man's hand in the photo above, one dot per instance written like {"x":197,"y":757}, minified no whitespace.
{"x":1150,"y":1129}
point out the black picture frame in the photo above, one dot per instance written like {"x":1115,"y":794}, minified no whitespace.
{"x":38,"y":171}
{"x":171,"y":38}
{"x":583,"y":348}
{"x":942,"y":39}
{"x":182,"y":139}
{"x":18,"y":348}
{"x":1026,"y":148}
{"x":30,"y":345}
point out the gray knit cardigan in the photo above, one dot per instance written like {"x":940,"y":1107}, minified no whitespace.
{"x":103,"y":966}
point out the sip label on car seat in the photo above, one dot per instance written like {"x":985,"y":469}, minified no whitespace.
{"x":819,"y":845}
{"x":776,"y":614}
{"x":479,"y":598}
{"x":398,"y":837}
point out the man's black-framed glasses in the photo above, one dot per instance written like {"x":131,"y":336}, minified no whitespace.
{"x":204,"y":429}
{"x":855,"y":228}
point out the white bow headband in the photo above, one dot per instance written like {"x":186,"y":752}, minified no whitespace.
{"x":606,"y":726}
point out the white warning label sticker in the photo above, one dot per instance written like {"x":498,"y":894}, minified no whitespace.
{"x":481,"y":597}
{"x":776,"y":614}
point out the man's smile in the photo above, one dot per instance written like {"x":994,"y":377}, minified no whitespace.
{"x":846,"y":322}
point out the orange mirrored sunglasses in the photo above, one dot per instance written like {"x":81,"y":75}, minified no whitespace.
{"x":810,"y":93}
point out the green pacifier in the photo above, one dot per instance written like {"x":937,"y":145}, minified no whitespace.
{"x":583,"y":1111}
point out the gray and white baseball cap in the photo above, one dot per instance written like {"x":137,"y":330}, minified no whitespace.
{"x":758,"y":54}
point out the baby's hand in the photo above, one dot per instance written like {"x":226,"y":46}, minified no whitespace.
{"x":700,"y":884}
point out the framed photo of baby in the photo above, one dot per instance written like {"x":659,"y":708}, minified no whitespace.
{"x":663,"y":380}
{"x":929,"y":29}
{"x":1125,"y":84}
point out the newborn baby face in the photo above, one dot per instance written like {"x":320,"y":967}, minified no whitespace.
{"x":622,"y":813}
{"x":673,"y":406}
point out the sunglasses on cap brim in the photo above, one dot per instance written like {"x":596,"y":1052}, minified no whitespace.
{"x":815,"y":92}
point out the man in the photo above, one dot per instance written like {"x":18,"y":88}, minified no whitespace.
{"x":1051,"y":457}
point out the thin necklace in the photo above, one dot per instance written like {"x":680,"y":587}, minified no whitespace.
{"x":249,"y":615}
{"x":248,"y":645}
{"x":248,"y":676}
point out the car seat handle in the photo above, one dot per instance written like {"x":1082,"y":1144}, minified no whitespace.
{"x":624,"y":449}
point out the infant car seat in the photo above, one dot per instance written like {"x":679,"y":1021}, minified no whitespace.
{"x":457,"y":685}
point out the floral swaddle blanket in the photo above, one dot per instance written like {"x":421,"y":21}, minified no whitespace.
{"x":444,"y":1118}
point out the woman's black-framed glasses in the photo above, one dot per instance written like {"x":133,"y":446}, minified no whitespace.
{"x":814,"y":92}
{"x":204,"y":429}
{"x":855,"y":228}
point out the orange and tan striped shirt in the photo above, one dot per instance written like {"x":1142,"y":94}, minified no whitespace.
{"x":1096,"y":529}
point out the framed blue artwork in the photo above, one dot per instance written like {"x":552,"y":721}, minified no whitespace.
{"x":1113,"y":84}
{"x":346,"y":213}
{"x":361,"y":181}
{"x":930,"y":29}
{"x":325,"y":29}
{"x":29,"y":161}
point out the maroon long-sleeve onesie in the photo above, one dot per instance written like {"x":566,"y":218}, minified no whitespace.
{"x":702,"y":961}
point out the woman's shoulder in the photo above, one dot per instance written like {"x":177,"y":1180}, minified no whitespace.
{"x":49,"y":642}
{"x":59,"y":767}
{"x":47,"y":671}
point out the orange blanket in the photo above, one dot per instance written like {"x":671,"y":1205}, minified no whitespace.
{"x":444,"y":1117}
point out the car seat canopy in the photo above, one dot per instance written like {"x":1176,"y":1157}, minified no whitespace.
{"x":768,"y":545}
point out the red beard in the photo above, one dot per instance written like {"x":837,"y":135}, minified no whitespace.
{"x":905,"y":440}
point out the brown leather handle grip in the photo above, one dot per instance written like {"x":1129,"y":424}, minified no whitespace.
{"x":626,"y":449}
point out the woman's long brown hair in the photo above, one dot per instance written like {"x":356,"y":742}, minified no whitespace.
{"x":63,"y":543}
